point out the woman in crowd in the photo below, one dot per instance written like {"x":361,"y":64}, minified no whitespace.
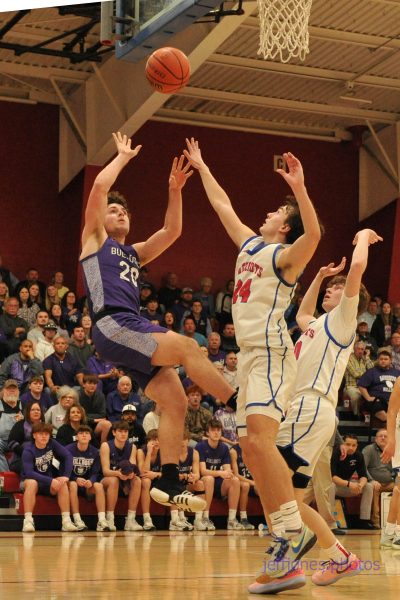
{"x":28,"y":309}
{"x":51,"y":297}
{"x":383,"y":326}
{"x":22,"y":432}
{"x":74,"y":418}
{"x":58,"y":281}
{"x":169,"y":321}
{"x":57,"y":317}
{"x":34,"y":295}
{"x":71,"y":314}
{"x":86,"y":323}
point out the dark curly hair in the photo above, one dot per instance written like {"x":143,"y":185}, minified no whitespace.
{"x":293,"y":219}
{"x":115,"y":197}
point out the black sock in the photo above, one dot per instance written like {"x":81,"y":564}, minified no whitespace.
{"x":170,"y":471}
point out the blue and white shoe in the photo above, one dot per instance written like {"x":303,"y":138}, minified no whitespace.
{"x":288,"y":552}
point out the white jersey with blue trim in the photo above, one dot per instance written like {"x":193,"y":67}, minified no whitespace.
{"x":261,"y":297}
{"x":324,"y":349}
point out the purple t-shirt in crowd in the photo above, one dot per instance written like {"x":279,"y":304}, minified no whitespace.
{"x":215,"y":458}
{"x":85,"y":463}
{"x":38,"y":463}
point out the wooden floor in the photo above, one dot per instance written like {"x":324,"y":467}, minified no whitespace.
{"x":166,"y":566}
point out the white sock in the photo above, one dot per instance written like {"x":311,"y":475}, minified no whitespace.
{"x":232,"y":514}
{"x":131,"y":514}
{"x":101,"y":516}
{"x":174,"y":516}
{"x":291,"y":516}
{"x":243,"y":514}
{"x":390,"y":528}
{"x":147,"y":518}
{"x":28,"y":515}
{"x":206,"y":514}
{"x":278,"y":527}
{"x":65,"y":516}
{"x":198,"y":516}
{"x":77,"y":517}
{"x":397,"y":530}
{"x":337,"y":553}
{"x":110,"y":515}
{"x":181,"y":515}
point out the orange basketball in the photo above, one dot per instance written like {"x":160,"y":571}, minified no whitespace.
{"x":168,"y":70}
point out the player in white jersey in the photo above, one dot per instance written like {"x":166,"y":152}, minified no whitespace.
{"x":391,"y":534}
{"x":322,"y":354}
{"x":266,"y":272}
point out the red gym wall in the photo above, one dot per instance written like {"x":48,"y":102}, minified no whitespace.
{"x":40,"y":227}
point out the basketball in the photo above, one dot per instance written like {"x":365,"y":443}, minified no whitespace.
{"x":168,"y":70}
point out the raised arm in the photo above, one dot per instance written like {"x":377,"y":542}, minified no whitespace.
{"x":218,"y":198}
{"x":362,"y":241}
{"x":294,"y":259}
{"x":308,"y":305}
{"x":93,"y":232}
{"x":392,"y":412}
{"x":172,"y":228}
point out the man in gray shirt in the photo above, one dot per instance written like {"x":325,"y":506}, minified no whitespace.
{"x":379,"y":474}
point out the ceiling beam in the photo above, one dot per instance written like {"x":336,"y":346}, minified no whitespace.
{"x":14,"y":68}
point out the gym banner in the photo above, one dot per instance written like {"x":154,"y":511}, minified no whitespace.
{"x":9,"y":5}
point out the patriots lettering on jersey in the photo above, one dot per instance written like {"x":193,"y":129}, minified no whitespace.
{"x":309,"y":332}
{"x":129,"y":257}
{"x":252,"y":267}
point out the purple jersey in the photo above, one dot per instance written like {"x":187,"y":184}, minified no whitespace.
{"x":111,"y":278}
{"x":243,"y":470}
{"x":215,"y":458}
{"x":38,"y":463}
{"x":85,"y":463}
{"x":185,"y":466}
{"x":117,"y":455}
{"x":156,"y":465}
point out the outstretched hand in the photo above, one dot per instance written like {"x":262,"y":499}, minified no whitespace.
{"x":193,"y":153}
{"x":330,"y":270}
{"x":294,"y":176}
{"x":179,"y":174}
{"x":373,"y":237}
{"x":123,"y":144}
{"x":388,"y":451}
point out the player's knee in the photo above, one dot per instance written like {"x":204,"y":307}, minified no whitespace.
{"x":31,"y":485}
{"x":208,"y":481}
{"x":245,"y":486}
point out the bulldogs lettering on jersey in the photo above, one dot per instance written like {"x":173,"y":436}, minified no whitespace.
{"x":261,"y":296}
{"x":185,"y":466}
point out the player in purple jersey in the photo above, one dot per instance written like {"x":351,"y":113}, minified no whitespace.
{"x":84,"y":480}
{"x":121,"y":335}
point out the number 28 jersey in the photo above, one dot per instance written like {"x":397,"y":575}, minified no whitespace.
{"x":261,"y":296}
{"x":111,"y":277}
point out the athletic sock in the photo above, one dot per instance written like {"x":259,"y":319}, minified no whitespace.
{"x":174,"y":516}
{"x":206,"y":514}
{"x":198,"y":516}
{"x":232,"y":514}
{"x":147,"y":518}
{"x":28,"y":515}
{"x":291,"y":517}
{"x":243,"y":514}
{"x":77,"y":517}
{"x":110,"y":514}
{"x":101,"y":516}
{"x":390,"y":528}
{"x":131,"y":514}
{"x":278,"y":528}
{"x":337,"y":553}
{"x":181,"y":515}
{"x":397,"y":530}
{"x":65,"y":516}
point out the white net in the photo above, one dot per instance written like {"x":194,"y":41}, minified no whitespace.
{"x":284,"y":28}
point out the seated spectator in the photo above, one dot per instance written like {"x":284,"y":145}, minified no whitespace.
{"x":146,"y":291}
{"x":32,"y":276}
{"x":369,"y":315}
{"x":228,"y":338}
{"x":84,"y":479}
{"x":379,"y":474}
{"x":383,"y":326}
{"x":170,"y":294}
{"x":226,"y":416}
{"x":36,"y":392}
{"x":86,"y":324}
{"x":118,"y":463}
{"x":58,"y":319}
{"x":75,"y":416}
{"x":230,"y":369}
{"x":45,"y":347}
{"x":58,"y":281}
{"x":70,"y":311}
{"x":36,"y":333}
{"x":184,"y":305}
{"x":206,"y":298}
{"x":60,"y":368}
{"x":39,"y":476}
{"x":169,"y":321}
{"x":10,"y":413}
{"x":359,"y":362}
{"x":395,"y":348}
{"x":376,"y":386}
{"x":198,"y":314}
{"x":21,"y":366}
{"x":36,"y":296}
{"x":343,"y":483}
{"x":107,"y":373}
{"x":55,"y":415}
{"x":215,"y":353}
{"x":22,"y":433}
{"x":152,"y":419}
{"x":197,"y":417}
{"x":122,"y":395}
{"x":13,"y":327}
{"x":189,"y":474}
{"x":223,"y":304}
{"x":94,"y":404}
{"x":27,"y":308}
{"x":51,"y":297}
{"x":189,"y":330}
{"x":247,"y":485}
{"x":364,"y":336}
{"x":149,"y":463}
{"x":137,"y":434}
{"x":217,"y":476}
{"x":4,"y":294}
{"x":79,"y":348}
{"x":151,"y":310}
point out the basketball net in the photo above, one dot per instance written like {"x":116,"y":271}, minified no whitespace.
{"x":284,"y":28}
